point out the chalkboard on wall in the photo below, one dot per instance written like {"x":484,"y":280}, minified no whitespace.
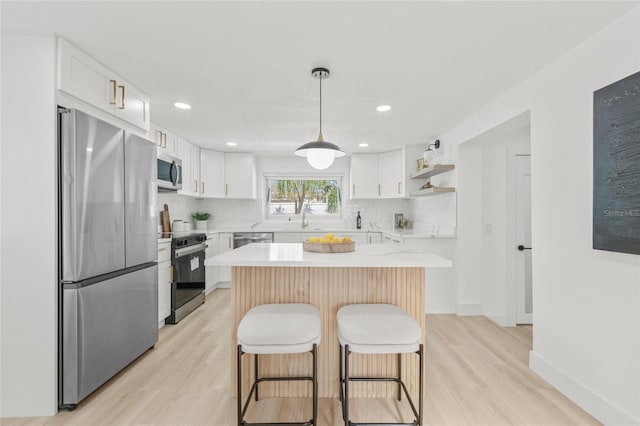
{"x":616,"y":166}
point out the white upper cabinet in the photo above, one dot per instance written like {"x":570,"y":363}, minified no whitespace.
{"x":215,"y":174}
{"x":166,"y":141}
{"x":365,"y":180}
{"x":212,"y":174}
{"x":85,"y":78}
{"x":384,"y":175}
{"x":240,"y":175}
{"x":195,"y":170}
{"x":392,"y":174}
{"x":190,"y":156}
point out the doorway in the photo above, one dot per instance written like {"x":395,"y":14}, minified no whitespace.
{"x":494,"y":181}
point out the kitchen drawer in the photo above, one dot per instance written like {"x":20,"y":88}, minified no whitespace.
{"x":164,"y":252}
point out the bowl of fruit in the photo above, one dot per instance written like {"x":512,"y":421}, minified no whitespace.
{"x":329,"y":243}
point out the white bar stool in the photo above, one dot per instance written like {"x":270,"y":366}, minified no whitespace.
{"x":285,"y":328}
{"x":378,"y":329}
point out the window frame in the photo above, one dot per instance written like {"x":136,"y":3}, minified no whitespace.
{"x":267,"y":177}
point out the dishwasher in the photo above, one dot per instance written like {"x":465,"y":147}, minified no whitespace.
{"x":243,"y":238}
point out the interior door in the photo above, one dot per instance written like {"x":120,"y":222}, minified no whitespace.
{"x":524,"y":285}
{"x":140,"y":194}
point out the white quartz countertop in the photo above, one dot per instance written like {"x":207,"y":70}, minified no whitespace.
{"x":405,"y":233}
{"x":292,"y":254}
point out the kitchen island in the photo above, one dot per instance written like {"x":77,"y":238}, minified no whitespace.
{"x":284,"y":273}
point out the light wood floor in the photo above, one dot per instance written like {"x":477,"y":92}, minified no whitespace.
{"x":476,"y":374}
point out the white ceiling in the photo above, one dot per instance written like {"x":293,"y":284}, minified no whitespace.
{"x":245,"y":66}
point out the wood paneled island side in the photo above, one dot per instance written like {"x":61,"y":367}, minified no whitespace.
{"x":284,"y":273}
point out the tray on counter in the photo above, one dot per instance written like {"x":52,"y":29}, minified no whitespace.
{"x":329,"y":247}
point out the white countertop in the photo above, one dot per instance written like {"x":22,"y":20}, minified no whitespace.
{"x":396,"y":233}
{"x":291,"y":254}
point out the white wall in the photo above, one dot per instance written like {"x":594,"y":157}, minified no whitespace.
{"x":468,"y":258}
{"x":28,"y":370}
{"x":587,"y":310}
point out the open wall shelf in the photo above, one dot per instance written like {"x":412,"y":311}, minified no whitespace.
{"x":430,"y":171}
{"x":432,"y":191}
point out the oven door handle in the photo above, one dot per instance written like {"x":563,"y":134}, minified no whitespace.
{"x":189,"y":250}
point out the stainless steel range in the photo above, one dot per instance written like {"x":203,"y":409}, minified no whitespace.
{"x":188,"y":280}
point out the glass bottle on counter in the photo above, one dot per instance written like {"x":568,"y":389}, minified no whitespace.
{"x":358,"y":221}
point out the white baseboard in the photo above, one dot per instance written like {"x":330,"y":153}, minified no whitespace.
{"x":219,"y":284}
{"x":500,"y":320}
{"x":584,"y":397}
{"x":469,"y":309}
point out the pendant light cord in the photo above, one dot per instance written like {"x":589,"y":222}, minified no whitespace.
{"x":320,"y":103}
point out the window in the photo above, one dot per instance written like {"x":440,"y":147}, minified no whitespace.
{"x":317,"y":196}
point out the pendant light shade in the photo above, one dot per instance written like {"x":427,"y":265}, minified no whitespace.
{"x":320,"y":154}
{"x":430,"y":155}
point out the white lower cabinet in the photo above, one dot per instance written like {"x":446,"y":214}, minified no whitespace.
{"x":388,"y":239}
{"x":224,"y":272}
{"x":374,"y":237}
{"x":211,"y":272}
{"x":360,"y":238}
{"x":291,"y":237}
{"x":164,"y":282}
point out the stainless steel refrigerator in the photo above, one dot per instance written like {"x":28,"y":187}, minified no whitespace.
{"x":108,"y":252}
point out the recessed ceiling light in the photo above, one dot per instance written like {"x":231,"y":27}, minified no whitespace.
{"x":383,"y":108}
{"x":232,"y":144}
{"x":363,"y":145}
{"x":181,"y":105}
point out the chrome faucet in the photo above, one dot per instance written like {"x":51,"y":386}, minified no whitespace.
{"x":305,"y":222}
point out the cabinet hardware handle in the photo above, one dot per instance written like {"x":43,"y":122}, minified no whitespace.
{"x":115,"y":95}
{"x":230,"y":242}
{"x":195,"y":186}
{"x":203,"y":187}
{"x":122,"y":97}
{"x":164,"y":140}
{"x":162,"y":249}
{"x":399,"y":183}
{"x":354,"y":189}
{"x":160,"y":138}
{"x":379,"y":193}
{"x":171,"y":268}
{"x":226,"y":189}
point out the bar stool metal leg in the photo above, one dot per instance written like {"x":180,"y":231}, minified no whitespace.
{"x":256,"y":374}
{"x":345,"y":403}
{"x":420,"y":386}
{"x":239,"y":381}
{"x":315,"y":384}
{"x":341,"y":381}
{"x":399,"y":377}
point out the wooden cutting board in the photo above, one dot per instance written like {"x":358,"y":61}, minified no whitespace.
{"x":166,"y":222}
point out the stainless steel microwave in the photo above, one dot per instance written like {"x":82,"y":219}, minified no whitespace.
{"x":169,"y":173}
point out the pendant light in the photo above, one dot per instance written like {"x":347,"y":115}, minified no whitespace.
{"x":320,"y":153}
